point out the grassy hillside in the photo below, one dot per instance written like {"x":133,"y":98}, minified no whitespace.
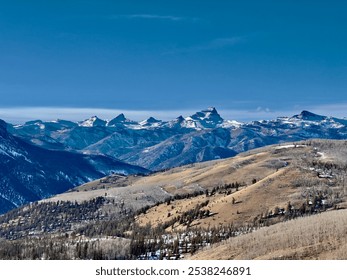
{"x":175,"y":213}
{"x":322,"y":236}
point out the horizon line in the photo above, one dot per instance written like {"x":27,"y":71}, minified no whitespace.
{"x":20,"y":114}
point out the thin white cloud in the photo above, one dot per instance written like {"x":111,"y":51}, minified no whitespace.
{"x":148,"y":17}
{"x":215,"y":44}
{"x":19,"y":115}
{"x":265,"y":113}
{"x":245,"y":115}
{"x":225,"y":42}
{"x":261,"y":109}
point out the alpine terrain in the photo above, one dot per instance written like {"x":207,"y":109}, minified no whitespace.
{"x":285,"y":201}
{"x":29,"y":172}
{"x":41,"y":158}
{"x":187,"y":188}
{"x":158,"y":145}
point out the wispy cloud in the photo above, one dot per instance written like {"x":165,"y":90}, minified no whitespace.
{"x":224,"y":42}
{"x":215,"y":44}
{"x":265,"y":113}
{"x":18,"y":115}
{"x":246,"y":115}
{"x":149,"y":17}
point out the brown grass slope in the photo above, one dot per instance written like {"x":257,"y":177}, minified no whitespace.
{"x":269,"y":179}
{"x":264,"y":166}
{"x":322,"y":236}
{"x":282,"y":174}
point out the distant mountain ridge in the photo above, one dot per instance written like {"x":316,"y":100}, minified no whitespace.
{"x":41,"y":158}
{"x":29,"y":172}
{"x":156,"y":144}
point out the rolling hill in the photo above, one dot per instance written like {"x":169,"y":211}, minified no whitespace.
{"x":179,"y":212}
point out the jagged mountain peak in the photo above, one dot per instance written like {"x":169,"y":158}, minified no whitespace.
{"x":179,"y":119}
{"x":208,"y":118}
{"x":121,"y":117}
{"x":31,"y":172}
{"x":157,"y":144}
{"x":121,"y":120}
{"x":309,"y":116}
{"x":117,"y":120}
{"x":208,"y":113}
{"x":176,"y":123}
{"x":93,"y":121}
{"x":150,"y":122}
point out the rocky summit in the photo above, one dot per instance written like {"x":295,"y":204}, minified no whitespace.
{"x":157,"y":145}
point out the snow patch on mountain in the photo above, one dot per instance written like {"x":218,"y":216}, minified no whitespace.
{"x":93,"y":121}
{"x":150,"y":122}
{"x":29,"y":172}
{"x":156,"y":144}
{"x":121,"y":120}
{"x":208,"y":118}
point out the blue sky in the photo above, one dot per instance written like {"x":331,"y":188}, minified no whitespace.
{"x":249,"y":59}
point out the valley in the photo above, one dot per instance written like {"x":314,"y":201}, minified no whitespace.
{"x":173,"y":131}
{"x":187,"y":211}
{"x":43,"y":158}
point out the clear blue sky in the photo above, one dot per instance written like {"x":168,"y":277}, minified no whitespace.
{"x":239,"y":56}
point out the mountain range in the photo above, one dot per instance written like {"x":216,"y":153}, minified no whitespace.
{"x":29,"y":172}
{"x":157,"y":145}
{"x":42,"y":158}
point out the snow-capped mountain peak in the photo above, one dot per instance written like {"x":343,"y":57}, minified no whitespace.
{"x":158,"y":144}
{"x":208,"y":113}
{"x":93,"y":121}
{"x":150,"y":122}
{"x":121,"y":120}
{"x":30,"y":172}
{"x":176,"y":123}
{"x":208,"y":118}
